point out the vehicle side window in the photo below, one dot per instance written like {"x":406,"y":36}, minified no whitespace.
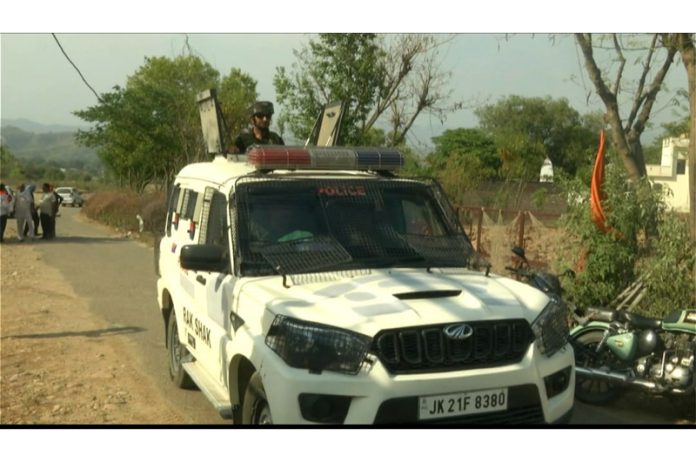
{"x":214,"y":220}
{"x":172,"y":208}
{"x":188,"y":208}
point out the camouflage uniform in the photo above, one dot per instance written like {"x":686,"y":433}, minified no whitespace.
{"x":245,"y":139}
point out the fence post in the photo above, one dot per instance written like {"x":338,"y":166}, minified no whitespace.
{"x":520,"y":231}
{"x":478,"y":230}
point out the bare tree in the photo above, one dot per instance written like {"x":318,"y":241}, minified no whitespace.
{"x":414,"y":82}
{"x":387,"y":81}
{"x":626,"y":133}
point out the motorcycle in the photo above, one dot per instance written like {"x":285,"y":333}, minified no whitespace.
{"x":616,"y":349}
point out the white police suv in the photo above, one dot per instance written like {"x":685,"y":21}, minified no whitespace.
{"x":314,"y":286}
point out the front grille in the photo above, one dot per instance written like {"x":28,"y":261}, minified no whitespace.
{"x":428,"y":349}
{"x":524,"y":409}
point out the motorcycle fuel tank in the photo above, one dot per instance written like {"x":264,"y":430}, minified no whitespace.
{"x":624,"y":346}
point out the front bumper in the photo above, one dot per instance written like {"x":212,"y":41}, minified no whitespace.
{"x":375,"y":396}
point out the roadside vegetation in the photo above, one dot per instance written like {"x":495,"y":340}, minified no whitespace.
{"x":644,"y":241}
{"x":120,"y":209}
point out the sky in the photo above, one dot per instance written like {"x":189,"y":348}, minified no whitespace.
{"x":40,"y":84}
{"x":500,"y":48}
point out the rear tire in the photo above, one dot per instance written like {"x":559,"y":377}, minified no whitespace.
{"x":255,"y":409}
{"x":587,"y":389}
{"x":175,"y":351}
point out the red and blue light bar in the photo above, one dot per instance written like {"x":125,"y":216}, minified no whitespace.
{"x":329,"y":158}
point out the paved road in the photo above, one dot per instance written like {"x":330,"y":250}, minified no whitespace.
{"x":116,"y":277}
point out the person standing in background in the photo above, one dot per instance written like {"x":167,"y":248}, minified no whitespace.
{"x":47,"y":209}
{"x":23,"y":212}
{"x":5,"y":208}
{"x":56,"y":208}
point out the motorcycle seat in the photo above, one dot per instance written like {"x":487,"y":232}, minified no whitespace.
{"x":641,"y":322}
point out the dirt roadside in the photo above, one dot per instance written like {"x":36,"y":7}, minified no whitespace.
{"x":58,"y":362}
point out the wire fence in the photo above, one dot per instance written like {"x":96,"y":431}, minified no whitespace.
{"x":494,"y":232}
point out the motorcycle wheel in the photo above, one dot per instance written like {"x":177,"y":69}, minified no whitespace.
{"x":588,"y":389}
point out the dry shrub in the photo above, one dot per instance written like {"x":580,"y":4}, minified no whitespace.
{"x":120,"y":208}
{"x":154,"y":213}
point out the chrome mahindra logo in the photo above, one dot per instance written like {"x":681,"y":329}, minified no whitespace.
{"x":458,"y":331}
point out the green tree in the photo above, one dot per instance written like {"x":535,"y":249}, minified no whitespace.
{"x":414,"y":163}
{"x":237,"y":93}
{"x":527,"y":130}
{"x":462,"y":159}
{"x":463,"y":141}
{"x":150,"y":129}
{"x":10,"y":167}
{"x":392,"y":79}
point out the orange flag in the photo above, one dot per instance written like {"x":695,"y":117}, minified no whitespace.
{"x":596,"y":195}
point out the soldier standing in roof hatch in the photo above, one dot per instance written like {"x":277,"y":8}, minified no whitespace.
{"x":259,"y":133}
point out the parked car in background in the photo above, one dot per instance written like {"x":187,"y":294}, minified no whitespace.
{"x":71,"y":196}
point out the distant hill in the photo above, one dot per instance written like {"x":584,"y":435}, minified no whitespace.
{"x":55,"y":147}
{"x":36,"y":127}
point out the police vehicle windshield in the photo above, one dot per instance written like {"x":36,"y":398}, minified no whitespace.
{"x":290,"y":226}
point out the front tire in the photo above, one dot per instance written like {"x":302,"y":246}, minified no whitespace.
{"x":255,"y":410}
{"x":175,"y":351}
{"x":588,"y":389}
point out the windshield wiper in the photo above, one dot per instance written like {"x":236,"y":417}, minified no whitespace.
{"x":318,"y":253}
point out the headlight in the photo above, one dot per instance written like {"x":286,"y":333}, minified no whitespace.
{"x":551,"y":328}
{"x":317,"y":347}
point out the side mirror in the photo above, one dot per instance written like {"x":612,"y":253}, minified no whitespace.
{"x":204,"y":257}
{"x":570,"y":273}
{"x":519,"y":251}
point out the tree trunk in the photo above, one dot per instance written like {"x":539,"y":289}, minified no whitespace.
{"x":688,"y":54}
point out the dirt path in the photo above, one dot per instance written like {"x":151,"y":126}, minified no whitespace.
{"x":58,"y":362}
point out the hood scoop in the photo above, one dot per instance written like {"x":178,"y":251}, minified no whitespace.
{"x":427,"y":294}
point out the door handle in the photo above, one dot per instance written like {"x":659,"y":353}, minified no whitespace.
{"x":200,"y":279}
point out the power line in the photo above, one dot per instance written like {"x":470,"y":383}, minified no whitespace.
{"x":76,"y":68}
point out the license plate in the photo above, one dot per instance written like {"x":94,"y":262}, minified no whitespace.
{"x":465,"y":403}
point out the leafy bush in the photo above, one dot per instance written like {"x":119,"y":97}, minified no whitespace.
{"x":155,"y":213}
{"x":669,"y":269}
{"x":644,"y":240}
